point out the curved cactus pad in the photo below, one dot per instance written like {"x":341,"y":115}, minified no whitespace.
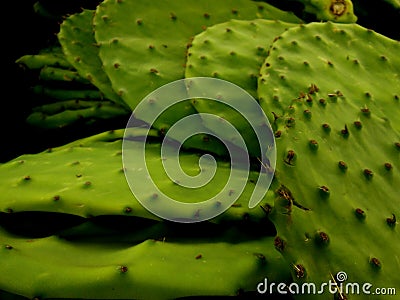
{"x":143,"y":45}
{"x":341,"y":11}
{"x":86,"y":178}
{"x":340,"y":59}
{"x":331,"y":91}
{"x":141,"y":271}
{"x":70,"y":112}
{"x":76,"y":37}
{"x":233,"y":51}
{"x":336,"y":199}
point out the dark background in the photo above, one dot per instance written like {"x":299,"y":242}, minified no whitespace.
{"x":26,"y":32}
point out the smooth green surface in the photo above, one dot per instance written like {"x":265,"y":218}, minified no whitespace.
{"x":153,"y":269}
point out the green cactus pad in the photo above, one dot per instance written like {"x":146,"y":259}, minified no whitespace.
{"x":57,"y":94}
{"x":86,"y":178}
{"x":336,"y":192}
{"x":339,"y":59}
{"x":335,"y":111}
{"x":143,"y":44}
{"x":76,"y":37}
{"x":56,"y":268}
{"x":341,"y":11}
{"x":52,"y":56}
{"x":70,"y":112}
{"x":56,"y":74}
{"x":64,"y":175}
{"x":233,"y":51}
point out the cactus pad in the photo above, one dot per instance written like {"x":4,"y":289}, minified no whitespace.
{"x":340,"y":11}
{"x":70,"y":112}
{"x":76,"y":37}
{"x":86,"y":178}
{"x":339,"y":59}
{"x":136,"y":271}
{"x":338,"y":153}
{"x":144,"y":46}
{"x":335,"y":194}
{"x":233,"y":50}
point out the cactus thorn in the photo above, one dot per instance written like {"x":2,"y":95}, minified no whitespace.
{"x":368,"y":173}
{"x":375,"y":262}
{"x":290,"y":157}
{"x":342,"y":165}
{"x":123,"y":269}
{"x":392,"y":220}
{"x":300,"y":271}
{"x":360,"y":213}
{"x":279,"y":244}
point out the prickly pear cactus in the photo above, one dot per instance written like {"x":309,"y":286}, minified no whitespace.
{"x":136,"y":271}
{"x":233,"y":50}
{"x":63,"y":96}
{"x":45,"y":92}
{"x":340,"y":11}
{"x":339,"y":59}
{"x":70,"y":227}
{"x":76,"y":37}
{"x":52,"y":56}
{"x":82,"y":177}
{"x":143,"y":44}
{"x":70,"y":112}
{"x":337,"y":166}
{"x":336,"y":188}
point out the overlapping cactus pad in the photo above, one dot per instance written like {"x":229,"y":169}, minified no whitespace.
{"x":234,"y":50}
{"x":152,"y":269}
{"x":79,"y":45}
{"x":340,"y":59}
{"x":146,"y":43}
{"x":336,"y":192}
{"x":338,"y":163}
{"x":90,"y":179}
{"x":72,"y":226}
{"x":337,"y":167}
